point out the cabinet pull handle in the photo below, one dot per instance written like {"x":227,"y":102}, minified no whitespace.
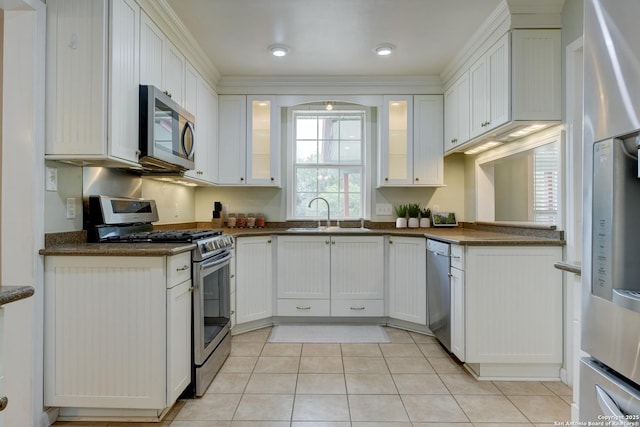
{"x":326,"y":242}
{"x":450,"y":275}
{"x":191,"y":289}
{"x":166,"y":92}
{"x":269,"y":241}
{"x":357,"y":308}
{"x":233,"y":312}
{"x":4,"y":401}
{"x":183,"y":268}
{"x":303,"y":308}
{"x":333,"y":242}
{"x":231,"y":276}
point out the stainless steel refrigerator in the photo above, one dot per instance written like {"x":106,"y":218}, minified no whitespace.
{"x":610,"y":377}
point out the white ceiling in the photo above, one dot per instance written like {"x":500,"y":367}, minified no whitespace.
{"x":332,"y":37}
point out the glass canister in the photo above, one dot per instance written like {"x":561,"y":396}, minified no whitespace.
{"x":251,"y":220}
{"x":231,"y":220}
{"x":241,"y":221}
{"x":260,"y":221}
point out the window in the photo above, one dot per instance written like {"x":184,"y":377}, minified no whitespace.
{"x":328,"y":152}
{"x":546,"y":168}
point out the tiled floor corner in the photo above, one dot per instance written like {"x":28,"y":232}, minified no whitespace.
{"x":409,"y":382}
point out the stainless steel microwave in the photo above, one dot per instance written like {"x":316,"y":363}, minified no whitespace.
{"x":167,"y":135}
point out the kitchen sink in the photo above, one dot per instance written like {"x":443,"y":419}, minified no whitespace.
{"x":327,"y":230}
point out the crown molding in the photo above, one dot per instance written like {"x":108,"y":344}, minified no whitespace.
{"x":321,"y":85}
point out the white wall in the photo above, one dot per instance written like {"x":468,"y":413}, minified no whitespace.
{"x":271,"y":201}
{"x":22,"y":219}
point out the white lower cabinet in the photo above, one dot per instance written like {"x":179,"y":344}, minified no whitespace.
{"x":512,"y":298}
{"x":117,"y":335}
{"x":456,"y":280}
{"x":330,"y":276}
{"x":408,"y":279}
{"x":254,"y":281}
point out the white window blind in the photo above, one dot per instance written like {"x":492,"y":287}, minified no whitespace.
{"x":546,"y":172}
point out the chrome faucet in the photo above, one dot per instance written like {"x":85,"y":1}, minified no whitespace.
{"x":328,"y":209}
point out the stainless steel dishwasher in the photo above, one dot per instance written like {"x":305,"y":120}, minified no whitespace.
{"x":439,"y":290}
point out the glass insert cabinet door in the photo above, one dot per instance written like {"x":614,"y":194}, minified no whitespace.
{"x":396,"y":145}
{"x":262,"y":149}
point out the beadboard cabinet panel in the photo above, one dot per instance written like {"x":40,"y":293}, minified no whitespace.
{"x":303,"y":267}
{"x":254,"y":281}
{"x":513,"y":305}
{"x":408,"y":279}
{"x":357,"y":267}
{"x":94,"y":358}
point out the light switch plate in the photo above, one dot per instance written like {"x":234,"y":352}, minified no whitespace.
{"x":51,"y":179}
{"x":384,"y":209}
{"x":71,"y":208}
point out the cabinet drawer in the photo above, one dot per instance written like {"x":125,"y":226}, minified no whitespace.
{"x":178,"y":269}
{"x":457,"y":257}
{"x":303,"y":307}
{"x":357,"y":307}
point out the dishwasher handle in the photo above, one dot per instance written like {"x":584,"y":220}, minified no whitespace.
{"x":443,"y":254}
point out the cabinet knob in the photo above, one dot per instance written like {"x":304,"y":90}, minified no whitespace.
{"x":231,"y":276}
{"x":272,"y":179}
{"x":4,"y":401}
{"x":386,"y":179}
{"x":417,"y":179}
{"x":333,"y":242}
{"x":269,"y":241}
{"x":326,"y":242}
{"x":166,"y":92}
{"x":391,"y":242}
{"x":241,"y":178}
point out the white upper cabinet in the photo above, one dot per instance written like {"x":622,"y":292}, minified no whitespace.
{"x":490,"y":89}
{"x":206,"y":128}
{"x":161,"y":63}
{"x":100,"y":57}
{"x":263,"y":143}
{"x":232,"y":137}
{"x":411,"y":144}
{"x":248,"y":140}
{"x":428,"y":164}
{"x":152,"y":42}
{"x":515,"y":83}
{"x":456,"y":113}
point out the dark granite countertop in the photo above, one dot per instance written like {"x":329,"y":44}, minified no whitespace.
{"x":118,"y":249}
{"x":456,"y":235}
{"x":470,"y":234}
{"x":10,"y":294}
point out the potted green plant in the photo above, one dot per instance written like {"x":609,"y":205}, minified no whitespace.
{"x":401,"y":213}
{"x":425,"y":218}
{"x":413,"y":209}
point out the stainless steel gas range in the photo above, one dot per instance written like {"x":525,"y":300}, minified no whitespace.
{"x":119,"y":219}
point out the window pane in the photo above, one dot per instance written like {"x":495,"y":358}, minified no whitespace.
{"x":306,"y":180}
{"x":307,"y":151}
{"x":328,"y":127}
{"x":329,"y":151}
{"x":350,"y":152}
{"x":306,"y":127}
{"x":351,"y":128}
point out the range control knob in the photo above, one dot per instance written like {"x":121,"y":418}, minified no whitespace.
{"x":209,"y":245}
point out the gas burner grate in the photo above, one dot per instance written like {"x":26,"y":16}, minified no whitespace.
{"x":168,"y":236}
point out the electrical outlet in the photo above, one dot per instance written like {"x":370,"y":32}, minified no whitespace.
{"x":384,"y":209}
{"x":51,"y":179}
{"x":71,"y":208}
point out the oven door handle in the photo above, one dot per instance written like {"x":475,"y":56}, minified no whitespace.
{"x":608,"y":405}
{"x":216,"y":262}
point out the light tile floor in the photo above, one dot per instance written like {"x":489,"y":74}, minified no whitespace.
{"x":411,"y":381}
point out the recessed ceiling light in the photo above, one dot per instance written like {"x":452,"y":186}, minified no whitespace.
{"x":278,"y":50}
{"x":384,"y":49}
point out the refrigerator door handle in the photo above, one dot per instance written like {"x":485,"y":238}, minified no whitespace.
{"x":608,"y":405}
